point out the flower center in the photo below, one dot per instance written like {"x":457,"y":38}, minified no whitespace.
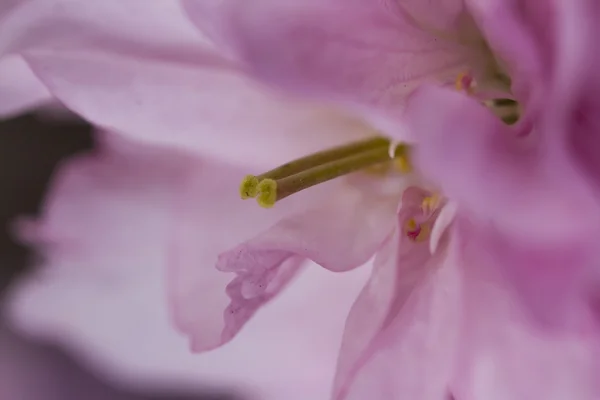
{"x":419,"y":226}
{"x":292,"y":177}
{"x":508,"y":110}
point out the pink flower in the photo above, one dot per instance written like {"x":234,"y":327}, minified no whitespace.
{"x":533,"y":216}
{"x":440,"y":315}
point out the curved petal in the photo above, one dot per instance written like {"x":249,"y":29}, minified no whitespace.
{"x":340,"y":232}
{"x":505,"y":356}
{"x":574,"y":109}
{"x":211,"y":108}
{"x":412,"y":354}
{"x":122,"y":332}
{"x":525,"y":184}
{"x":517,"y":31}
{"x":362,"y":52}
{"x":574,"y":58}
{"x":145,"y":71}
{"x":156,"y":31}
{"x":546,"y":46}
{"x":20,"y":90}
{"x":551,"y":281}
{"x":390,"y":319}
{"x":100,"y":289}
{"x":117,"y":177}
{"x":443,"y":221}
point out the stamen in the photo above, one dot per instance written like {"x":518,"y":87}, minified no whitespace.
{"x":507,"y":110}
{"x":465,"y":82}
{"x":430,"y":203}
{"x":267,"y":190}
{"x":301,"y":174}
{"x":505,"y":103}
{"x":411,"y":224}
{"x":510,"y":119}
{"x":401,"y":162}
{"x":248,"y":187}
{"x":417,"y":232}
{"x":423,"y":233}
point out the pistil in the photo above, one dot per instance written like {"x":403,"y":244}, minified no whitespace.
{"x":303,"y":173}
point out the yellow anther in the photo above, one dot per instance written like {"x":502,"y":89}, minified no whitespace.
{"x":458,"y":83}
{"x":248,"y":187}
{"x":464,"y":82}
{"x":410,"y":225}
{"x":430,"y":203}
{"x":267,"y":193}
{"x":403,"y":165}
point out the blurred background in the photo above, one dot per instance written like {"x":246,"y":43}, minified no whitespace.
{"x":31,"y":148}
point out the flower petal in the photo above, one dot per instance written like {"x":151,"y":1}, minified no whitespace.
{"x":20,"y":90}
{"x":145,"y":71}
{"x":409,"y":304}
{"x":512,"y":29}
{"x":69,"y":231}
{"x":340,"y":232}
{"x":443,"y":221}
{"x":412,"y":353}
{"x":549,"y":280}
{"x":288,"y":351}
{"x":100,"y":291}
{"x":158,"y":31}
{"x":505,"y":356}
{"x":527,"y":185}
{"x":211,"y":109}
{"x":573,"y":109}
{"x":366,"y":53}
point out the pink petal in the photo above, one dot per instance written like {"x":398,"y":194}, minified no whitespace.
{"x":206,"y":108}
{"x":115,"y":179}
{"x":573,"y":111}
{"x":340,"y":232}
{"x":146,"y":71}
{"x":545,"y":45}
{"x":573,"y":63}
{"x":442,"y":223}
{"x":157,"y":31}
{"x":504,"y":356}
{"x":20,"y":90}
{"x":517,"y":32}
{"x":528,"y":185}
{"x":412,"y":356}
{"x":402,"y":329}
{"x":362,"y":52}
{"x":288,"y":351}
{"x":550,"y":281}
{"x":104,"y":239}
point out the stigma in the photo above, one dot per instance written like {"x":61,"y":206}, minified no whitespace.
{"x":277,"y":184}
